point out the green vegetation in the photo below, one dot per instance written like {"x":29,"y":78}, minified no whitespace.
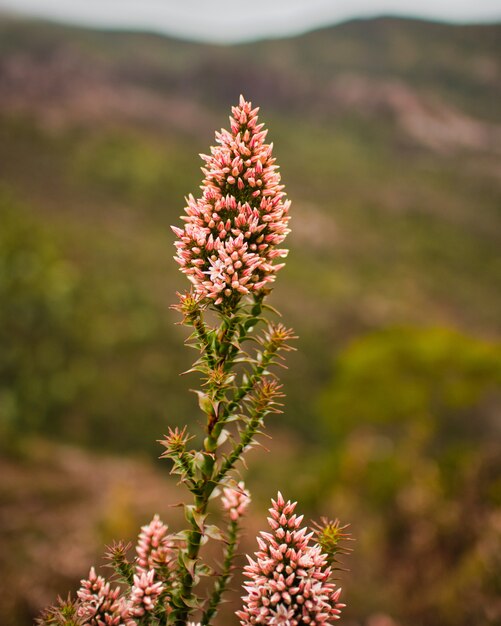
{"x":387,"y":134}
{"x":411,"y":416}
{"x":73,"y":337}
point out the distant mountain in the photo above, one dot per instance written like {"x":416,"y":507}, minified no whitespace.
{"x":440,"y":83}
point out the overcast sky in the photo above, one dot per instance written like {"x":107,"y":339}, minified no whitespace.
{"x":236,"y":20}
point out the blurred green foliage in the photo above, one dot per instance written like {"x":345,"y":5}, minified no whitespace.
{"x":399,"y":375}
{"x":415,"y":452}
{"x":73,"y":339}
{"x":131,"y":167}
{"x":38,"y":330}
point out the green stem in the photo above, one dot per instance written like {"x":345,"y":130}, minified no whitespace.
{"x":222,"y":582}
{"x":203,"y":337}
{"x":225,"y":350}
{"x":226,"y":353}
{"x":184,"y":462}
{"x":184,"y":595}
{"x":246,"y":438}
{"x":254,"y":378}
{"x":219,"y":355}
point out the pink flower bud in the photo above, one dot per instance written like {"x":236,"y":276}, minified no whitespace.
{"x":235,"y":500}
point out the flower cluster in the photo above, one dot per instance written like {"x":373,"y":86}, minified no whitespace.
{"x":99,"y":605}
{"x":235,"y":500}
{"x":228,"y":245}
{"x":144,"y":594}
{"x":289,"y":582}
{"x":154,"y":546}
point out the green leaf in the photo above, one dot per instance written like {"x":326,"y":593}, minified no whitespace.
{"x":199,"y":519}
{"x":189,"y":565}
{"x":256,"y":309}
{"x":182,"y":535}
{"x":193,"y":602}
{"x":204,"y":402}
{"x":250,"y":323}
{"x":188,"y":512}
{"x":214,"y":532}
{"x":223,"y":437}
{"x":216,"y":492}
{"x":204,"y":570}
{"x":198,"y":463}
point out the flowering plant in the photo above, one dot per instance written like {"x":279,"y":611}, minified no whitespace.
{"x":228,"y":249}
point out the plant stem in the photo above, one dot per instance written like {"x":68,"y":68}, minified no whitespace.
{"x":219,"y":352}
{"x":246,"y":438}
{"x":185,"y":593}
{"x":201,"y":331}
{"x":220,"y":356}
{"x":222,"y":582}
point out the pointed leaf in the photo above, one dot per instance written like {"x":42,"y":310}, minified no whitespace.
{"x":189,"y":564}
{"x":204,"y":402}
{"x":214,"y":532}
{"x":199,"y":519}
{"x":223,"y":437}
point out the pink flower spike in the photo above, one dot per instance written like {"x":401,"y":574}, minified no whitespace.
{"x":155,"y":547}
{"x":235,"y":500}
{"x":144,"y":594}
{"x":99,"y":604}
{"x":289,"y":579}
{"x":241,"y":195}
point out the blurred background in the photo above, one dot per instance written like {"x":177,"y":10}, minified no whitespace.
{"x":388,"y":134}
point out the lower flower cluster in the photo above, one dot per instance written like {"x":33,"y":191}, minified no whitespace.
{"x":289,"y":582}
{"x":100,"y":605}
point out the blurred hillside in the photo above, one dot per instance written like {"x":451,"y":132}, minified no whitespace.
{"x":388,"y":134}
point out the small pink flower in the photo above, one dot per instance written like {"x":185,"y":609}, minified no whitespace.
{"x":144,"y":594}
{"x":228,"y":246}
{"x":235,"y":500}
{"x":289,"y":581}
{"x":154,"y":546}
{"x":99,"y":604}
